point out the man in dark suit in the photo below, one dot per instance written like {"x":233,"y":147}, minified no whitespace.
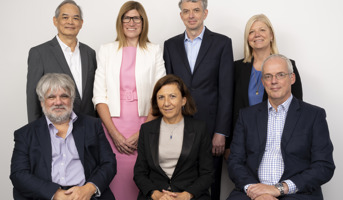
{"x":63,"y":54}
{"x":61,"y":155}
{"x":281,"y":148}
{"x":204,"y":61}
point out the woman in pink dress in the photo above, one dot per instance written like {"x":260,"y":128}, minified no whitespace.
{"x":127,"y":71}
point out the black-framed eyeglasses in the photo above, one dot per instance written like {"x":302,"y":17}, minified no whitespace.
{"x":278,"y":76}
{"x":135,"y":19}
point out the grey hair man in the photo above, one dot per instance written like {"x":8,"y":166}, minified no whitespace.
{"x":204,"y":61}
{"x":61,"y":155}
{"x":63,"y":54}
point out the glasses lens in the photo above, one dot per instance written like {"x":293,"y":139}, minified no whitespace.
{"x":137,"y":19}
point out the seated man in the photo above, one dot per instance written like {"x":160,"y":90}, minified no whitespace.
{"x":281,"y":148}
{"x":61,"y":155}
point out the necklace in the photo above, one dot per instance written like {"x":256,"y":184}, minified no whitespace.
{"x":171,"y":128}
{"x":256,"y":79}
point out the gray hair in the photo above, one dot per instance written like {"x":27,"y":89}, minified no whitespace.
{"x":289,"y":63}
{"x":54,"y":82}
{"x":203,"y":3}
{"x":58,"y":9}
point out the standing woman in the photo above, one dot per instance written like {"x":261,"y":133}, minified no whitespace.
{"x":127,"y":71}
{"x":259,"y":43}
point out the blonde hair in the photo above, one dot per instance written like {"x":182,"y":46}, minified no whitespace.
{"x":143,"y":37}
{"x":247,"y":48}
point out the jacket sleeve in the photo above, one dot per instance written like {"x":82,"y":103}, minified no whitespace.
{"x":34,"y":72}
{"x":225,"y":90}
{"x":23,"y":180}
{"x":141,"y":168}
{"x":238,"y":170}
{"x":321,"y":166}
{"x":204,"y":180}
{"x":107,"y":165}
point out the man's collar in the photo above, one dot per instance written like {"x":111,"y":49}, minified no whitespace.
{"x":64,"y":46}
{"x":200,"y":36}
{"x":285,"y":105}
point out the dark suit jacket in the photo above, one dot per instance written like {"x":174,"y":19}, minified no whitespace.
{"x":31,"y":159}
{"x":193,"y":172}
{"x":211,"y":84}
{"x":305,"y":145}
{"x":49,"y":58}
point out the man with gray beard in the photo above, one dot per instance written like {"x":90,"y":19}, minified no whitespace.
{"x":62,"y":155}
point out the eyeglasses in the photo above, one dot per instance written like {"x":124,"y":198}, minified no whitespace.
{"x":135,"y":19}
{"x":278,"y":76}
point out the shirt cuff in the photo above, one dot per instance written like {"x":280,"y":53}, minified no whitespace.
{"x":221,"y":134}
{"x":246,"y":188}
{"x":292,"y":188}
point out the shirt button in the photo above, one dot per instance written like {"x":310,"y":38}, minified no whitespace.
{"x":62,"y":178}
{"x":62,"y":164}
{"x":64,"y":155}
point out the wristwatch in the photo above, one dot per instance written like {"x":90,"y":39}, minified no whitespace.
{"x":279,"y":186}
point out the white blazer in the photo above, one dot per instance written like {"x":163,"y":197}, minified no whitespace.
{"x":149,"y":68}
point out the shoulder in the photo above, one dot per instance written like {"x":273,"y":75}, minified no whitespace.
{"x":29,"y":129}
{"x":153,"y":47}
{"x":45,"y":45}
{"x":307,"y":108}
{"x":85,"y":46}
{"x":152,"y":124}
{"x":240,"y":63}
{"x":174,"y":39}
{"x":87,"y":120}
{"x":217,"y":36}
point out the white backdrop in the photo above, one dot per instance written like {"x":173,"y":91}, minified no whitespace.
{"x":308,"y":31}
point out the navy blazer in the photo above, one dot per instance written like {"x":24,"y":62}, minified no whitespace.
{"x":305,"y":145}
{"x":32,"y":158}
{"x":193,"y":172}
{"x":49,"y":58}
{"x":211,"y":84}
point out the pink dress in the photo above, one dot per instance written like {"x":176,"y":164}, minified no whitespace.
{"x":123,"y":186}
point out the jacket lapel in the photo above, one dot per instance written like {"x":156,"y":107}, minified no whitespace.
{"x":79,"y":138}
{"x":262,"y":127}
{"x":182,"y":51}
{"x":205,"y":45}
{"x":84,"y":65}
{"x":44,"y":139}
{"x":188,"y":140}
{"x":293,"y":115}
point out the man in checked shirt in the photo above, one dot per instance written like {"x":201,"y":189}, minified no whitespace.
{"x":281,"y":148}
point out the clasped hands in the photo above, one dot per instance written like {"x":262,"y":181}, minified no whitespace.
{"x":76,"y":193}
{"x":127,"y":146}
{"x":264,"y":192}
{"x":167,"y":195}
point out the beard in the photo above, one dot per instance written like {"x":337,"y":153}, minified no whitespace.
{"x":58,"y":117}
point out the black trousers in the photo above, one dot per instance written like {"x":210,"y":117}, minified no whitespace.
{"x":217,"y":175}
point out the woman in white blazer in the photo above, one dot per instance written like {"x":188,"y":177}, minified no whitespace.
{"x":127,"y":72}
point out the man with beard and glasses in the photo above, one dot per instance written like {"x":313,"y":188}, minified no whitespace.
{"x":61,"y":155}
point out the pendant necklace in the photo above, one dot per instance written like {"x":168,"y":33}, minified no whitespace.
{"x":256,"y":79}
{"x":171,"y":130}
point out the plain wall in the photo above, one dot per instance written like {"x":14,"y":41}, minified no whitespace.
{"x":310,"y":32}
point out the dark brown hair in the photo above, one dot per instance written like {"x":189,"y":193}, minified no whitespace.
{"x":189,"y":108}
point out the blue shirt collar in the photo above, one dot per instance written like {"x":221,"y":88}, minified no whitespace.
{"x":200,"y":36}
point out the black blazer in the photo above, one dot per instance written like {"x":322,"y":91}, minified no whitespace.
{"x":49,"y":58}
{"x":211,"y":84}
{"x":305,"y":146}
{"x":193,"y":172}
{"x":242,"y":79}
{"x":32,"y":157}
